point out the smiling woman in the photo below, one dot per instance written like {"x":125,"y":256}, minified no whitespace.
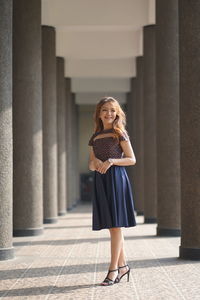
{"x":113,"y":205}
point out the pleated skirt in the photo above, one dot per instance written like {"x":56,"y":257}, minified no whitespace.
{"x":113,"y":204}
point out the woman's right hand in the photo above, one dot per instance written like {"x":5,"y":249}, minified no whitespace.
{"x":97,"y":163}
{"x":94,"y":163}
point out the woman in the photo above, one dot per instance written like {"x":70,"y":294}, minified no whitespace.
{"x":113,"y":206}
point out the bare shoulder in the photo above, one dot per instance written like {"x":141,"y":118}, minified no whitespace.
{"x":124,"y":137}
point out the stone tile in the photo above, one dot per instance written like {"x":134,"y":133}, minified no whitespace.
{"x":70,"y":260}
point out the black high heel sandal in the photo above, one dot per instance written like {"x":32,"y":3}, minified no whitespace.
{"x":117,"y":280}
{"x":107,"y":280}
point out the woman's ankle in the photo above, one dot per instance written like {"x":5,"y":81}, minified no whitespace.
{"x":113,"y":267}
{"x":122,"y":264}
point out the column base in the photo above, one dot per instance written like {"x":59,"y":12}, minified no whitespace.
{"x":62,"y":213}
{"x":6,"y":253}
{"x":189,"y":253}
{"x":150,"y":220}
{"x":139,"y":213}
{"x":168,"y":232}
{"x":70,"y":208}
{"x":50,"y":220}
{"x":27,"y":232}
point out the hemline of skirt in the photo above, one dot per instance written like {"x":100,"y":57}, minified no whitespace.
{"x":107,"y":227}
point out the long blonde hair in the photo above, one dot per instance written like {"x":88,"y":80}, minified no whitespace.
{"x":119,"y":122}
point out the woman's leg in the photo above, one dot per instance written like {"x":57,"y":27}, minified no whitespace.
{"x":122,"y":260}
{"x":116,"y":243}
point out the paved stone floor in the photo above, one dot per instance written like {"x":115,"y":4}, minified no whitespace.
{"x":70,"y":260}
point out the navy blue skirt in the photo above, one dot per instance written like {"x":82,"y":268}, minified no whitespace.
{"x":113,"y":204}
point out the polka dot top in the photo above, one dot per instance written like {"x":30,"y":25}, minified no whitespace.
{"x":106,"y":145}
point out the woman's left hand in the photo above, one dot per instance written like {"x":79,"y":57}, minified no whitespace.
{"x":104,"y":167}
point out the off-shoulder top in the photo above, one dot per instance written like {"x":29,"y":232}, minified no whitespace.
{"x":106,"y":145}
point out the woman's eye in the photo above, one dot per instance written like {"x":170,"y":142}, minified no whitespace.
{"x":112,"y":110}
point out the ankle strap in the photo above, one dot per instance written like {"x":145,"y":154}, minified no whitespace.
{"x":123,"y":266}
{"x":113,"y":270}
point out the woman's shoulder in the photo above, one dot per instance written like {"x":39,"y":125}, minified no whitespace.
{"x":90,"y":143}
{"x":124,"y":136}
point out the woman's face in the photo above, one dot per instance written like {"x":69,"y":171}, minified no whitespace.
{"x":108,"y":113}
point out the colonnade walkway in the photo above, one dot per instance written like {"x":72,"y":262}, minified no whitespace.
{"x":70,"y":260}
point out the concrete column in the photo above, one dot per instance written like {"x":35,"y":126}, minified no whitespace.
{"x":74,"y":158}
{"x":129,"y":127}
{"x":77,"y":171}
{"x":6,"y":161}
{"x":49,"y":125}
{"x":129,"y":115}
{"x":189,"y":12}
{"x":150,"y":155}
{"x":133,"y":138}
{"x":133,"y":111}
{"x":69,"y":144}
{"x":168,"y":131}
{"x":27,"y":117}
{"x":61,"y":133}
{"x":139,"y":134}
{"x":130,"y":124}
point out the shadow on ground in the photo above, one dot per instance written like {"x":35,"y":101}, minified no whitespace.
{"x":44,"y":290}
{"x":79,"y":241}
{"x":85,"y":268}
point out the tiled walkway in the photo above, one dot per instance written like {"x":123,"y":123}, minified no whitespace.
{"x":70,"y":259}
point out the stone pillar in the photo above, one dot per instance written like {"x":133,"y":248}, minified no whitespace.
{"x":129,"y":115}
{"x":49,"y":125}
{"x":6,"y":160}
{"x":129,"y":128}
{"x":73,"y":153}
{"x":133,"y":111}
{"x":150,"y":155}
{"x":168,"y":131}
{"x":190,"y":128}
{"x":73,"y":181}
{"x":139,"y":134}
{"x":61,"y":133}
{"x":133,"y":138}
{"x":76,"y":147}
{"x":69,"y":144}
{"x":27,"y":118}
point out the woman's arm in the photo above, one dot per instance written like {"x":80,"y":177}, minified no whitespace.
{"x":129,"y":156}
{"x":128,"y":159}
